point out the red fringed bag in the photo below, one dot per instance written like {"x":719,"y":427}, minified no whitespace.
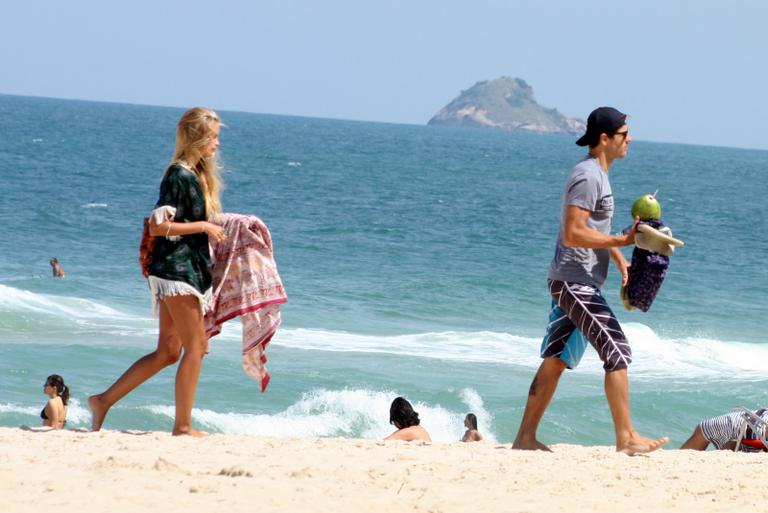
{"x":146,"y":246}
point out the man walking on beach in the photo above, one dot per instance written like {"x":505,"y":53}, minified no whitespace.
{"x":576,"y":274}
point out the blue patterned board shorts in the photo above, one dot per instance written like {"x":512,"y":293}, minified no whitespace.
{"x":579,"y":310}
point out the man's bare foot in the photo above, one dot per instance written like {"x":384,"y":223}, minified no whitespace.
{"x":640,"y":445}
{"x":188,"y":432}
{"x":98,"y":412}
{"x":525,"y":444}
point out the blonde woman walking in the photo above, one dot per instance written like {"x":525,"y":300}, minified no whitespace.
{"x":180,"y":268}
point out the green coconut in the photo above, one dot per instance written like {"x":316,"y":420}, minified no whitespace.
{"x":647,"y":208}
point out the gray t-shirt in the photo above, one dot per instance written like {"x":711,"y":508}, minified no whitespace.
{"x":588,"y":188}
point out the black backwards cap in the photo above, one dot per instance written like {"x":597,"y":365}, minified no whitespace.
{"x":602,"y":120}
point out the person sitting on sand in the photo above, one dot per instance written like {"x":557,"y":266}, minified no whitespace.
{"x":402,"y":416}
{"x":472,"y":434}
{"x":721,"y":431}
{"x":55,"y":412}
{"x":58,"y":272}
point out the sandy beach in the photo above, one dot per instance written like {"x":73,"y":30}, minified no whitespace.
{"x":121,"y":471}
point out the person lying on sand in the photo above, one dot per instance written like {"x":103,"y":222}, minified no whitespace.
{"x":722,"y":431}
{"x":402,"y":416}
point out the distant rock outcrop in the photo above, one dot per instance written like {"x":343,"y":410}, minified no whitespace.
{"x":505,"y":104}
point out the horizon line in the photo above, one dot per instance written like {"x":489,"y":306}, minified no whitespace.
{"x":238,"y":111}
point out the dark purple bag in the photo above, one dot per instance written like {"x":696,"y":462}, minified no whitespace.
{"x":646,"y":274}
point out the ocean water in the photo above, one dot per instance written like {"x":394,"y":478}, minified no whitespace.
{"x":415,"y":260}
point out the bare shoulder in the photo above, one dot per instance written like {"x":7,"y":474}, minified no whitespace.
{"x":410,"y":434}
{"x":472,"y":435}
{"x":56,"y":403}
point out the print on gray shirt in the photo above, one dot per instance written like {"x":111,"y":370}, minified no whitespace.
{"x":588,"y":188}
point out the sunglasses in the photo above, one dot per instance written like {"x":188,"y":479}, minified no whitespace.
{"x":623,"y":134}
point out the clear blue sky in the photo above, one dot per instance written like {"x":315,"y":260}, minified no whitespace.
{"x":686,"y":71}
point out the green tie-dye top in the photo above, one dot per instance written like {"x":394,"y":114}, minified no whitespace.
{"x":188,"y":259}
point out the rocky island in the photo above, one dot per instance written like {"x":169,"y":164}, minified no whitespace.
{"x":505,"y":104}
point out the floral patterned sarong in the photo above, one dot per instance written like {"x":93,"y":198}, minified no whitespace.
{"x":246,"y":284}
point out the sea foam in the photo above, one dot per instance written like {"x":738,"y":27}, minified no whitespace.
{"x":654,"y":356}
{"x":27,"y":316}
{"x":18,"y":300}
{"x":355,"y":413}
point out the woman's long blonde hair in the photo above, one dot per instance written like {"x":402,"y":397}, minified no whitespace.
{"x":192,"y":133}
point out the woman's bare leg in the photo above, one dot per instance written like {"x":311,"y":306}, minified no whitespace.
{"x":167,"y":353}
{"x":188,"y":322}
